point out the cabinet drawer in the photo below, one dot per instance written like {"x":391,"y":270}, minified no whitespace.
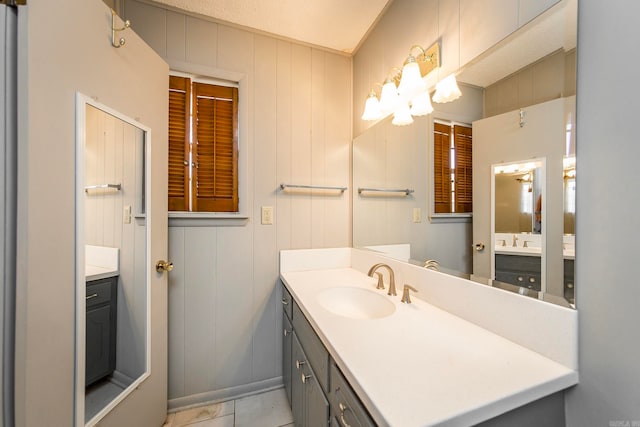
{"x":287,"y":302}
{"x":526,"y":264}
{"x":345,"y":405}
{"x":100,"y":291}
{"x":315,"y":351}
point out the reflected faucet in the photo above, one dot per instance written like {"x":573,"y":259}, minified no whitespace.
{"x":392,"y":282}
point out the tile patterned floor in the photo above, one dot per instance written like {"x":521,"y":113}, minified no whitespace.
{"x":270,"y":409}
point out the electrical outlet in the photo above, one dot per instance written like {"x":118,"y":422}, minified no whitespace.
{"x":417,"y":215}
{"x":267,"y":215}
{"x":126,"y":214}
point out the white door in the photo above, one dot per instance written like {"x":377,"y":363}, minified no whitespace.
{"x":65,"y":48}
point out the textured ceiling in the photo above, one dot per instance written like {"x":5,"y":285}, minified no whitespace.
{"x":335,"y":24}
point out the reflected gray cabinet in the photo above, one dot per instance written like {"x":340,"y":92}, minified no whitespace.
{"x":519,"y":270}
{"x":101,"y":329}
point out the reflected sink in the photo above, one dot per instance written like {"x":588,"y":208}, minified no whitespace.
{"x":356,"y":303}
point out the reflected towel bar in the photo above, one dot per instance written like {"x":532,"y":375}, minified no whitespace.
{"x":101,"y":186}
{"x":313,"y":187}
{"x":406,"y":191}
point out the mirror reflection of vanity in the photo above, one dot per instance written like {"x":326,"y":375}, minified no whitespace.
{"x":111,"y":255}
{"x":524,"y":117}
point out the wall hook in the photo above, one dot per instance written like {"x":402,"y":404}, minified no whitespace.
{"x":114,"y":30}
{"x":521,"y":118}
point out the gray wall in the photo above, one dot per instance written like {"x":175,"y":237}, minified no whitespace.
{"x":608,"y":292}
{"x":295,"y":122}
{"x":69,"y":50}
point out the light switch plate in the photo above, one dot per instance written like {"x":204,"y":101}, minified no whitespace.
{"x":417,"y":215}
{"x":126,"y":214}
{"x":267,"y":215}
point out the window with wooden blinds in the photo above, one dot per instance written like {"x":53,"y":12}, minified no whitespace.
{"x":464,"y":171}
{"x":210,"y":156}
{"x":442,"y":168}
{"x":452,"y":168}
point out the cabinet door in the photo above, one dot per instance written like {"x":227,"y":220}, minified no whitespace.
{"x":298,"y":361}
{"x":97,"y":352}
{"x":287,"y":366}
{"x":316,"y":405}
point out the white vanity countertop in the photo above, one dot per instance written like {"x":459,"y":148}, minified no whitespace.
{"x":94,"y":272}
{"x":529,"y":251}
{"x":422,"y":366}
{"x":101,"y":262}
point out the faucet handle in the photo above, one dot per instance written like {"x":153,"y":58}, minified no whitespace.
{"x":380,"y":281}
{"x":405,"y":293}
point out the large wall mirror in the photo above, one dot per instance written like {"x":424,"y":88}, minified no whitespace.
{"x":519,"y":98}
{"x":112,"y":281}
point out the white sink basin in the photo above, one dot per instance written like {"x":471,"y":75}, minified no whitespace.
{"x":356,"y":303}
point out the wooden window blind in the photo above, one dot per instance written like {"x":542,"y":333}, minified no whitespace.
{"x":212,"y":153}
{"x":452,"y":188}
{"x":179,"y":99}
{"x":463,"y":173}
{"x":442,"y":168}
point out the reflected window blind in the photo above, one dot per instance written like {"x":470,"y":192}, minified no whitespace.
{"x":179,"y":99}
{"x":463,"y":172}
{"x":452,"y":168}
{"x":441,"y":168}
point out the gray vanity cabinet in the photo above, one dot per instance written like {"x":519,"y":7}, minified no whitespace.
{"x":311,"y":378}
{"x":101,"y":329}
{"x":519,"y":270}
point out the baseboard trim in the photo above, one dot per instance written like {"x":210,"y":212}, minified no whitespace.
{"x":222,"y":395}
{"x":121,"y":380}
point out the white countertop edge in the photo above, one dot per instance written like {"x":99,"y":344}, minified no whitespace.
{"x":93,"y":272}
{"x":467,"y":416}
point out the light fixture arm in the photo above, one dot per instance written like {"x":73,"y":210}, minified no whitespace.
{"x":114,"y":30}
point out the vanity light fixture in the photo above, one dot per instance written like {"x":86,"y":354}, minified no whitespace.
{"x":402,"y":115}
{"x":389,"y":99}
{"x":447,"y":90}
{"x":405,"y":92}
{"x":372,"y":109}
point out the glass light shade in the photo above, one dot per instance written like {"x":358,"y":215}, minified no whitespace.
{"x":372,"y":108}
{"x":411,"y":81}
{"x":388,"y":97}
{"x":421,"y":104}
{"x":402,"y":115}
{"x":447,"y":90}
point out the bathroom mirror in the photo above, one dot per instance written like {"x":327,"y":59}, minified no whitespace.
{"x":518,"y":233}
{"x":112,"y":281}
{"x":390,"y":156}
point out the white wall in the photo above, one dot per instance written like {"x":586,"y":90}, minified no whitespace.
{"x":65,"y":46}
{"x":295,"y":122}
{"x":608,"y":291}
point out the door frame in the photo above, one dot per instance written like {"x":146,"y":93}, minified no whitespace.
{"x":81,"y":103}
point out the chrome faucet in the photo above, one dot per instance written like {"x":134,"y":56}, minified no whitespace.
{"x":515,"y":240}
{"x":392,"y":281}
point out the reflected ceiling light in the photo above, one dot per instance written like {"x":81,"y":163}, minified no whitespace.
{"x":402,"y":115}
{"x":421,"y":104}
{"x":372,"y":108}
{"x":447,"y":90}
{"x":415,"y":67}
{"x":389,"y":98}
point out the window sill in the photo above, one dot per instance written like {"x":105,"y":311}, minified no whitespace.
{"x":443,"y":218}
{"x":207,"y":219}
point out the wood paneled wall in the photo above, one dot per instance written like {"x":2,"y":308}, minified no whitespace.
{"x":113,"y":155}
{"x":224,"y":309}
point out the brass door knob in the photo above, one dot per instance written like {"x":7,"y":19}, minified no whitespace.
{"x":163,"y":265}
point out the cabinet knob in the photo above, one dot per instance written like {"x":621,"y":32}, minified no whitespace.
{"x":305,"y":377}
{"x":299,"y":363}
{"x":343,"y":408}
{"x":284,"y":301}
{"x":532,"y":280}
{"x":286,"y":332}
